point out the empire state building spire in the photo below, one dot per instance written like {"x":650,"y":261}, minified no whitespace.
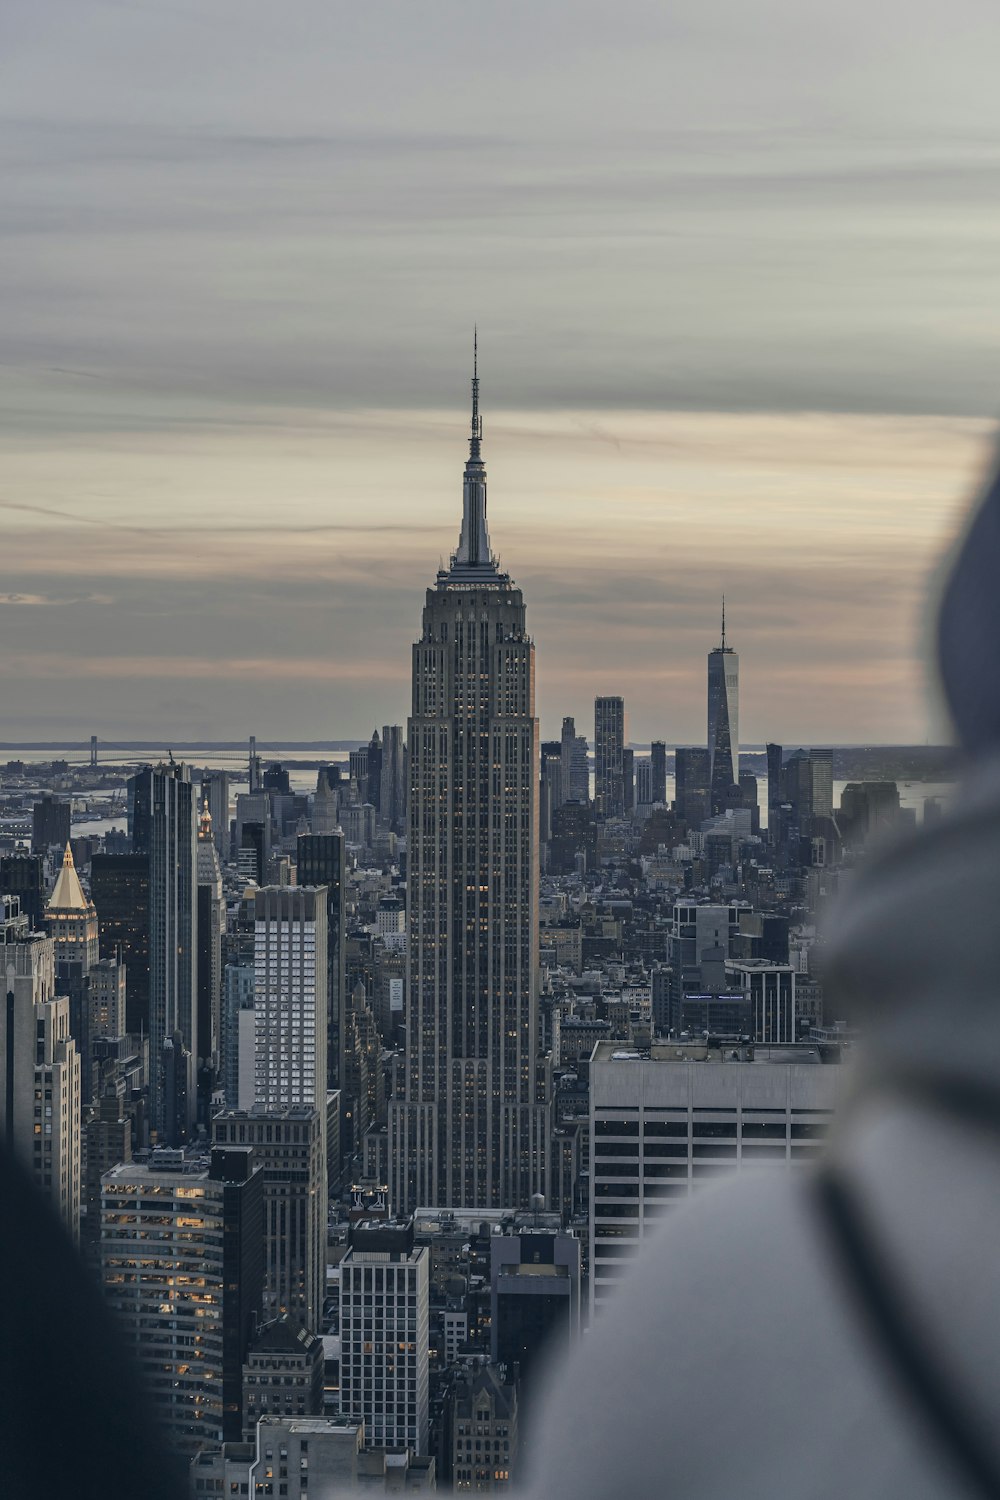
{"x":474,"y":561}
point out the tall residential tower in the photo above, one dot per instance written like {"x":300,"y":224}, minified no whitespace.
{"x":470,"y":1129}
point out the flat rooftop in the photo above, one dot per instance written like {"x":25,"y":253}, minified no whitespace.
{"x":714,"y":1050}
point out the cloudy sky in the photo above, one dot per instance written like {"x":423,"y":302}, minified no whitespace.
{"x":736,"y":273}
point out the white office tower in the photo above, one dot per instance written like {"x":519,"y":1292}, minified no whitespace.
{"x":39,"y":1067}
{"x":384,"y":1335}
{"x":290,"y":997}
{"x":470,"y":1129}
{"x":723,"y":721}
{"x":664,"y":1121}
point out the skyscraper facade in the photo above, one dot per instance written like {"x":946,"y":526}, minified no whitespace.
{"x":470,"y":1127}
{"x":723,"y":721}
{"x":164,"y":829}
{"x":119,"y":885}
{"x":290,"y":988}
{"x":692,"y":783}
{"x":575,"y":771}
{"x":210,"y":927}
{"x":393,"y":794}
{"x":320,"y":861}
{"x":609,"y":752}
{"x":658,"y":770}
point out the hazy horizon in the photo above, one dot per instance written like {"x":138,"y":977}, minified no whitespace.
{"x":735,"y":277}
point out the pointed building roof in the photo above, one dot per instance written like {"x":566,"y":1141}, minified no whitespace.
{"x":473,"y":561}
{"x":68,"y":893}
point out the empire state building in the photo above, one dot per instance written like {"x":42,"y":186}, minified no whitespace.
{"x":470,"y":1129}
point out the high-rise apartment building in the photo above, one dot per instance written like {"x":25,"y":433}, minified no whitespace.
{"x":384,"y":1292}
{"x":664,"y":1121}
{"x":164,"y":829}
{"x":723,"y":721}
{"x":289,"y":1146}
{"x":609,"y":756}
{"x":290,"y":987}
{"x":470,"y":1128}
{"x":39,"y":1067}
{"x":643,"y":781}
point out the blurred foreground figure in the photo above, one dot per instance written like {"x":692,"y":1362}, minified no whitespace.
{"x":838,"y":1334}
{"x":72,"y":1424}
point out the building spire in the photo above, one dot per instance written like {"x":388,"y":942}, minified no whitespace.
{"x":474,"y":561}
{"x":475,"y":441}
{"x":723,"y":622}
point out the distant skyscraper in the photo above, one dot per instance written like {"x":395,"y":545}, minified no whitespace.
{"x":775,"y":788}
{"x":164,"y":828}
{"x":71,"y":920}
{"x":215,"y":786}
{"x":211,"y":925}
{"x":50,"y":824}
{"x":609,"y":747}
{"x":822,"y":789}
{"x":119,"y":885}
{"x":658,"y":770}
{"x":628,"y":779}
{"x":470,"y":1129}
{"x":392,"y":805}
{"x":320,"y":860}
{"x":723,"y":721}
{"x":575,"y":771}
{"x":551,"y":791}
{"x":22,"y":875}
{"x":692,"y":783}
{"x":643,"y":781}
{"x":71,"y":917}
{"x":372,"y":790}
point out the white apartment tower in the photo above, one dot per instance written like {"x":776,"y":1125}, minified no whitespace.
{"x":290,"y":997}
{"x":469,"y":1130}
